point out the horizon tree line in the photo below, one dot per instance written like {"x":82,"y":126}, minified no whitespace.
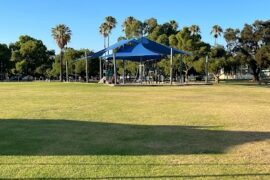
{"x":249,"y":46}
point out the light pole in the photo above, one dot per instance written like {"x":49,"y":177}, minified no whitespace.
{"x":86,"y":68}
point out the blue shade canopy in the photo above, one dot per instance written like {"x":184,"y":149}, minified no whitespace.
{"x":135,"y":53}
{"x":138,"y":49}
{"x":112,"y":47}
{"x":162,"y":49}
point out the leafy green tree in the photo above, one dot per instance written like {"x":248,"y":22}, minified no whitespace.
{"x":193,"y":44}
{"x":163,"y":39}
{"x":164,"y":67}
{"x":33,"y":52}
{"x":173,"y":41}
{"x":21,"y":67}
{"x":263,"y":56}
{"x":217,"y":61}
{"x":75,"y":68}
{"x":216,"y":32}
{"x":169,"y":28}
{"x":250,"y":46}
{"x":62,"y":35}
{"x":150,"y":25}
{"x":5,"y":63}
{"x":155,"y":33}
{"x":121,"y":38}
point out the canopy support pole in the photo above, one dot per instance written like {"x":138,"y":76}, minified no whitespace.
{"x":100,"y":68}
{"x":140,"y":77}
{"x":180,"y":69}
{"x":114,"y":67}
{"x":124,"y":74}
{"x":86,"y":68}
{"x":171,"y":66}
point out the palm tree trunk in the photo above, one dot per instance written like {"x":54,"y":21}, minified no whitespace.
{"x":104,"y":42}
{"x":108,"y":41}
{"x":61,"y":65}
{"x":215,"y":41}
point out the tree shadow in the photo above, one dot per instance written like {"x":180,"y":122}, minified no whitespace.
{"x":67,"y":137}
{"x":246,"y":83}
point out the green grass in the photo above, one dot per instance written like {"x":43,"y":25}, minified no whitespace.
{"x":54,"y":130}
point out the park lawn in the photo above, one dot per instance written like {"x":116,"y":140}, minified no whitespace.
{"x":73,"y":130}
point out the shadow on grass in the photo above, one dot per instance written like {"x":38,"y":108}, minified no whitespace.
{"x":245,"y":83}
{"x":67,"y":137}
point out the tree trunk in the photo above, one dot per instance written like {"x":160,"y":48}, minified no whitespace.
{"x":256,"y":73}
{"x":61,"y":65}
{"x":256,"y":77}
{"x":186,"y":76}
{"x":108,"y":40}
{"x":216,"y":79}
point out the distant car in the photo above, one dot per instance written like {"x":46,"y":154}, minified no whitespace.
{"x":199,"y":78}
{"x":28,"y":78}
{"x":15,"y":78}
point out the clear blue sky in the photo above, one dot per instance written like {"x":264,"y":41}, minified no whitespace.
{"x":37,"y":17}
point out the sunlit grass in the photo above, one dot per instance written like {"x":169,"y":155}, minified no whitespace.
{"x":55,"y":130}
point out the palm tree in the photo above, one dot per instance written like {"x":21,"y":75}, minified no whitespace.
{"x":111,"y":23}
{"x":62,"y":35}
{"x":133,"y":27}
{"x":216,"y":31}
{"x":127,"y":26}
{"x":174,"y":25}
{"x":103,"y":30}
{"x":195,"y":30}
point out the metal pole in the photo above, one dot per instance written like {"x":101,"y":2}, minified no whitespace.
{"x":171,"y":65}
{"x":114,"y":67}
{"x":86,"y":68}
{"x":66,"y":71}
{"x":206,"y":69}
{"x":124,"y":74}
{"x":100,"y":68}
{"x":140,"y":71}
{"x":181,"y":57}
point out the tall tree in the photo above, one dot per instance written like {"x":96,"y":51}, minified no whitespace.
{"x":35,"y":54}
{"x":169,"y":28}
{"x":217,"y":61}
{"x":103,"y":30}
{"x":194,"y":30}
{"x":174,"y":25}
{"x":111,"y":23}
{"x":216,"y":32}
{"x":149,"y":25}
{"x":132,"y":27}
{"x":5,"y":63}
{"x":192,"y":44}
{"x":250,"y":46}
{"x":62,"y":35}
